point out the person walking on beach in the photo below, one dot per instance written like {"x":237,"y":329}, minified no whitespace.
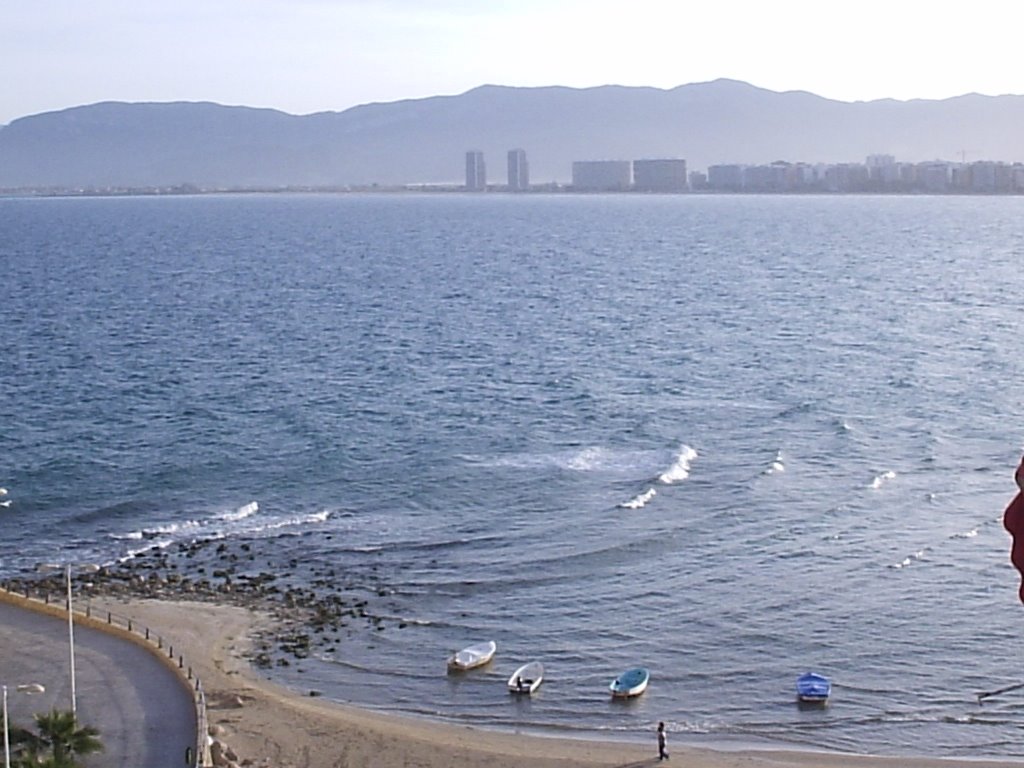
{"x":662,"y":742}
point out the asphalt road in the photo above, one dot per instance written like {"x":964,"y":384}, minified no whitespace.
{"x":145,"y":716}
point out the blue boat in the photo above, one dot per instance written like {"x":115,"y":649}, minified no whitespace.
{"x":632,"y":682}
{"x":813,"y":687}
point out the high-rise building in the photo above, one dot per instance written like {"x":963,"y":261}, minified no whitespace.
{"x":726,"y":177}
{"x":476,"y":171}
{"x":659,"y":175}
{"x":602,"y":175}
{"x":518,"y":170}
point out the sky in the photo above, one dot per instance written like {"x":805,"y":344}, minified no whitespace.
{"x":304,"y":56}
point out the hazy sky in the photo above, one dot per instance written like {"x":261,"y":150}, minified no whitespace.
{"x":305,"y":56}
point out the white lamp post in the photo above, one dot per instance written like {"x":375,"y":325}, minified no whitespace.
{"x":28,"y":688}
{"x":86,"y":568}
{"x":71,"y":644}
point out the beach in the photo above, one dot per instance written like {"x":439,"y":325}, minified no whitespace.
{"x":264,"y":724}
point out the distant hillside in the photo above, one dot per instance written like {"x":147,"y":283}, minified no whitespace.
{"x":425,"y":140}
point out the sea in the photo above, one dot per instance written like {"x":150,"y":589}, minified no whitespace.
{"x":728,"y":438}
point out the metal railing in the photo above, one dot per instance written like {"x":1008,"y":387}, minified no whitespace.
{"x":156,"y":643}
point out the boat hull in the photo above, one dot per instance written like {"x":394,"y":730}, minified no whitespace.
{"x":472,"y":657}
{"x":527,"y":678}
{"x":812,"y":688}
{"x":630,"y":683}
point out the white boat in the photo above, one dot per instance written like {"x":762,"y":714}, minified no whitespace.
{"x":473,"y":656}
{"x":630,"y":683}
{"x":527,"y":678}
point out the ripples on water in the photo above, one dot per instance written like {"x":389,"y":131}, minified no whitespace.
{"x":730,"y":438}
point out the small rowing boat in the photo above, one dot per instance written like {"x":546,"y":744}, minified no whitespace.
{"x":527,"y":678}
{"x":632,"y":682}
{"x":812,"y":687}
{"x":472,"y":656}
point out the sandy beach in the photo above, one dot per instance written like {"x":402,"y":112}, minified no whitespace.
{"x":267,"y":725}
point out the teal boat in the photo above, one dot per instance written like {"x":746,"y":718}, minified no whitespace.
{"x":632,"y":682}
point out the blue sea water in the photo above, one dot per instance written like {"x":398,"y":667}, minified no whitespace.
{"x":727,"y":438}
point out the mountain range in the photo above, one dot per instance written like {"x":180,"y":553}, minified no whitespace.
{"x":424,"y":141}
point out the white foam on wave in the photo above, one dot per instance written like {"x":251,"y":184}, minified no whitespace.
{"x":133,"y":553}
{"x":910,"y":559}
{"x":158,"y":530}
{"x":414,"y":622}
{"x":586,"y":459}
{"x":777,"y":465}
{"x":173,"y":528}
{"x":639,"y":501}
{"x":879,"y":479}
{"x":289,"y":522}
{"x":965,"y":534}
{"x":246,"y":510}
{"x":130,"y":536}
{"x":582,"y":460}
{"x":239,"y":522}
{"x":680,"y":470}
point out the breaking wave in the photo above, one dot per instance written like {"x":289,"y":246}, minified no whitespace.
{"x":777,"y":465}
{"x":640,"y":500}
{"x":680,"y":470}
{"x":242,"y":521}
{"x":882,"y":478}
{"x":247,"y":510}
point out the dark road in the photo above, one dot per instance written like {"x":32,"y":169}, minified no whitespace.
{"x":145,"y":715}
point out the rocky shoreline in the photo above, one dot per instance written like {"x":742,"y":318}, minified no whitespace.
{"x":307,"y":616}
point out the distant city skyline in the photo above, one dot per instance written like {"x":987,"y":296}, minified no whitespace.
{"x":305,"y":56}
{"x":879,"y":173}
